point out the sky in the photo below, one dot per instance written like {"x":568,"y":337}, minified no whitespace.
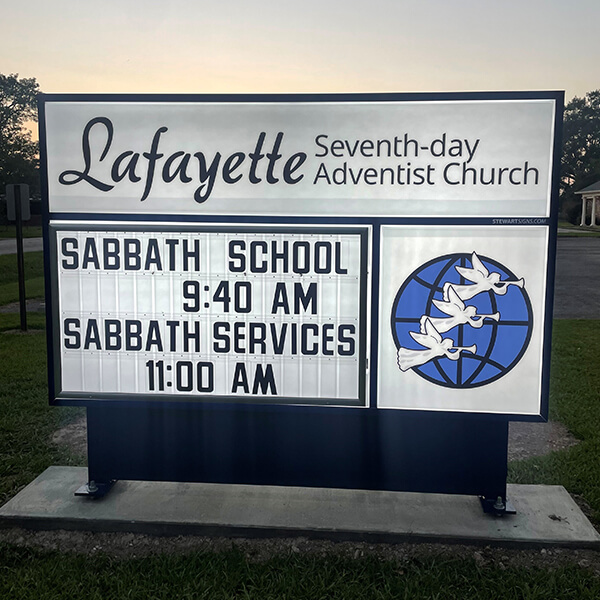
{"x":307,"y":46}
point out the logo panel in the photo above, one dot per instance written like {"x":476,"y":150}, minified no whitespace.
{"x":461,"y":320}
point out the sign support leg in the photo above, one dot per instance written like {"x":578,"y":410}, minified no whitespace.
{"x":94,"y":489}
{"x":99,"y":484}
{"x":494,"y":499}
{"x":499,"y":506}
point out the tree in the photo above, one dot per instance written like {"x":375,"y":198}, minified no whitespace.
{"x":581,"y":150}
{"x":18,"y":151}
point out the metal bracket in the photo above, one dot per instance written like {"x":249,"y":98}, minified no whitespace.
{"x":95,"y":489}
{"x":498,"y":507}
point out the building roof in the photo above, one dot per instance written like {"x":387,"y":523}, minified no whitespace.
{"x":590,"y":189}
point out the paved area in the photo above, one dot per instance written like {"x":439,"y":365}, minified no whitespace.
{"x":577,"y":285}
{"x":9,"y":246}
{"x":546,"y":515}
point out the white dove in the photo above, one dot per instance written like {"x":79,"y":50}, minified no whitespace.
{"x":436,"y":346}
{"x":459,"y":314}
{"x":483,"y":281}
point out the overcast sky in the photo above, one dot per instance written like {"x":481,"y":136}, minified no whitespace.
{"x":303,"y":46}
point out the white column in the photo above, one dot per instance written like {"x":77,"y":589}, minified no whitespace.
{"x":593,"y":222}
{"x":583,"y":207}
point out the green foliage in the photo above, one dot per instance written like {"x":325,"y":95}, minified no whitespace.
{"x":580,"y":165}
{"x":18,"y":152}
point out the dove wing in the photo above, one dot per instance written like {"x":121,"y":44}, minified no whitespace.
{"x":478,"y":265}
{"x":454,"y":298}
{"x":449,"y":308}
{"x":471,"y":274}
{"x":431,"y":331}
{"x":423,"y":339}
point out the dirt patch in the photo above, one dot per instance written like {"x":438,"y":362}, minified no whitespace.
{"x":129,"y":545}
{"x":526,"y":440}
{"x":73,"y":436}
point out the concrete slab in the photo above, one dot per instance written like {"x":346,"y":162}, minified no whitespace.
{"x":546,"y":515}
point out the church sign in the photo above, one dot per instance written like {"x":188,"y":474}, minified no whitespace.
{"x":381,"y":251}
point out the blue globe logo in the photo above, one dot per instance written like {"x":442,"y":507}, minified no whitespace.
{"x":461,"y":321}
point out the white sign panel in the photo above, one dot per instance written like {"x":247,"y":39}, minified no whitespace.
{"x":230,"y":312}
{"x":435,"y":158}
{"x":462,"y":318}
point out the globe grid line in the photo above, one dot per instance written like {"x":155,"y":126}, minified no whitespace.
{"x":432,"y":291}
{"x":461,"y":332}
{"x":483,"y":360}
{"x":493,"y":337}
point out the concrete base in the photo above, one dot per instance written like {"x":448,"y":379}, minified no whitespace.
{"x":546,"y":515}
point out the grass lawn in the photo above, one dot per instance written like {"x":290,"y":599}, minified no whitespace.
{"x":577,"y":231}
{"x":26,"y":424}
{"x":9,"y":231}
{"x":26,"y":420}
{"x":9,"y":281}
{"x":35,"y":575}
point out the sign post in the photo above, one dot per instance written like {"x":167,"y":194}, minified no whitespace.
{"x":343,"y":291}
{"x":17,"y":204}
